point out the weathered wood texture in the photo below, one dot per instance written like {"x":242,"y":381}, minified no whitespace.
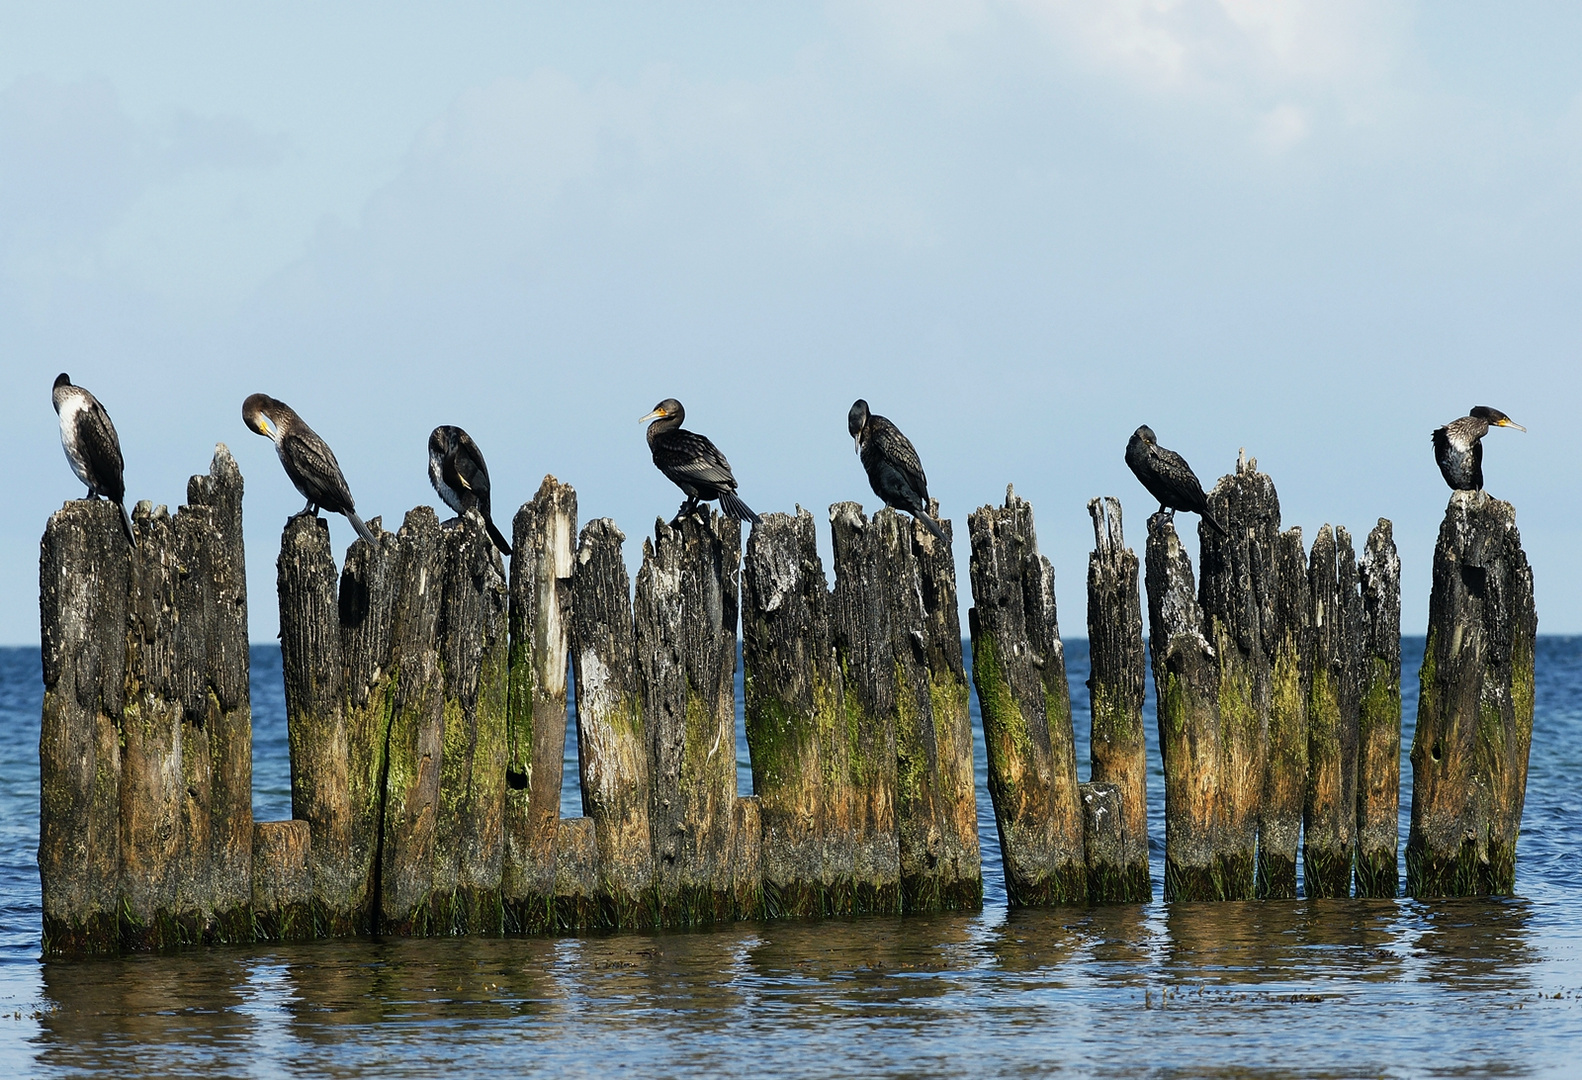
{"x":1018,"y":668}
{"x":1237,"y":594}
{"x":864,"y":758}
{"x":1115,"y":697}
{"x":84,"y":571}
{"x":543,"y":550}
{"x":1186,"y":684}
{"x":1104,"y":842}
{"x":1285,"y":772}
{"x":1329,"y":818}
{"x":1475,"y":710}
{"x":686,"y":611}
{"x":612,"y":750}
{"x":1379,"y":717}
{"x":282,"y":882}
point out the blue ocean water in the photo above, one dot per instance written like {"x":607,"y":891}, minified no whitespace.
{"x":1300,"y":988}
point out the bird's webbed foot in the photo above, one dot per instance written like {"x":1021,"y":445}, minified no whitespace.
{"x":310,"y":510}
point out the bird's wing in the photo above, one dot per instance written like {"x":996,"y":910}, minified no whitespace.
{"x":888,"y":444}
{"x":313,"y":467}
{"x":102,"y":448}
{"x":470,"y":473}
{"x":1177,"y":476}
{"x":1477,"y":465}
{"x":688,"y":454}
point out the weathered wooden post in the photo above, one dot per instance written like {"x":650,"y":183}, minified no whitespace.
{"x":866,"y":756}
{"x":686,"y":611}
{"x":1115,"y":696}
{"x":1329,"y":815}
{"x":1285,"y":773}
{"x":1018,"y":668}
{"x":1379,"y":717}
{"x":1237,"y":594}
{"x":794,"y":710}
{"x":282,"y":882}
{"x":1475,"y":712}
{"x":84,"y":570}
{"x":1186,"y":682}
{"x":542,"y":553}
{"x":613,"y":756}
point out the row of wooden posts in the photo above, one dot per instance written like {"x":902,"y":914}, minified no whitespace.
{"x":426,"y":696}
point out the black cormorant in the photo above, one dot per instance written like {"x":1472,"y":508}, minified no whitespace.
{"x":308,"y":459}
{"x":1167,"y":476}
{"x":693,"y":463}
{"x":457,"y":471}
{"x":1458,"y":446}
{"x":91,"y":445}
{"x":891,"y":462}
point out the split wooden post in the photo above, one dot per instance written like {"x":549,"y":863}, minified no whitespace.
{"x":1115,"y":696}
{"x":542,"y":553}
{"x":1285,"y":772}
{"x":1475,"y":712}
{"x":1329,"y":817}
{"x":1018,"y":668}
{"x":1379,"y":717}
{"x":686,"y":612}
{"x":612,"y":750}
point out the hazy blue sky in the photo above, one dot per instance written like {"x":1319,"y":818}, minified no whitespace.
{"x":1019,"y":229}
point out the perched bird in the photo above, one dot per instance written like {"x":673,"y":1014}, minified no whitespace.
{"x":1167,"y":476}
{"x":457,"y":471}
{"x":693,"y":463}
{"x":1458,"y":447}
{"x":308,"y":459}
{"x":91,"y":445}
{"x":890,"y":460}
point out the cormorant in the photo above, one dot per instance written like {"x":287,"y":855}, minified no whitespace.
{"x":894,"y":471}
{"x":308,"y":459}
{"x":91,"y":445}
{"x":457,"y":471}
{"x":693,"y":463}
{"x":1458,"y":446}
{"x":1167,"y":476}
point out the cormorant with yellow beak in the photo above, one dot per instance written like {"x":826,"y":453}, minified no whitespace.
{"x":457,"y":471}
{"x":692,"y":462}
{"x":1458,"y":446}
{"x":891,"y":462}
{"x":308,"y":459}
{"x":92,"y":446}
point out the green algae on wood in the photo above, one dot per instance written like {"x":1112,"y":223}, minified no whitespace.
{"x":1285,"y":759}
{"x":1379,"y":717}
{"x":282,"y":882}
{"x":1329,"y":818}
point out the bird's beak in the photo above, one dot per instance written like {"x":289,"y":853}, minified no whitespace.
{"x":263,"y":426}
{"x":655,"y":415}
{"x":1508,"y":422}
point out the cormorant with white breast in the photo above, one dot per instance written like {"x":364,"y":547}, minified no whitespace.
{"x":1458,"y":446}
{"x":1167,"y":476}
{"x":457,"y":471}
{"x":308,"y":459}
{"x":892,"y":465}
{"x":692,"y":462}
{"x":92,"y":446}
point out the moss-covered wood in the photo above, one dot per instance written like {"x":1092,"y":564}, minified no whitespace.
{"x":1018,"y":669}
{"x":543,"y":549}
{"x":1111,"y":879}
{"x":1379,"y":717}
{"x":1475,"y":710}
{"x":575,"y":900}
{"x":282,"y":882}
{"x":1285,"y":769}
{"x":1115,"y":696}
{"x":1329,"y":817}
{"x":1186,"y":682}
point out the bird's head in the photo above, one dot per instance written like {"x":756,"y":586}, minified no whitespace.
{"x":1494,"y":417}
{"x":668,"y":409}
{"x":856,"y":420}
{"x":259,"y":412}
{"x":62,"y":380}
{"x":442,"y":440}
{"x":1145,"y":435}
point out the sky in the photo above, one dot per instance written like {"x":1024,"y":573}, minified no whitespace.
{"x":1018,"y":228}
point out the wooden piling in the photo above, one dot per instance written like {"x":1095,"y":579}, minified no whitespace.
{"x":613,"y":756}
{"x":1186,"y":684}
{"x":576,"y":888}
{"x":1379,"y":717}
{"x":1115,"y":696}
{"x":1104,"y":843}
{"x":542,"y":553}
{"x":1018,"y":669}
{"x":1237,"y":594}
{"x":1285,"y":772}
{"x":1475,"y":709}
{"x":863,"y":756}
{"x":1329,"y":817}
{"x":282,"y":883}
{"x":84,"y":569}
{"x":686,"y":611}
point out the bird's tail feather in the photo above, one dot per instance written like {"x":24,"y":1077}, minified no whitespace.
{"x":126,"y":524}
{"x":933,"y":526}
{"x":362,"y":530}
{"x":736,"y":508}
{"x":495,"y":535}
{"x":1215,"y":522}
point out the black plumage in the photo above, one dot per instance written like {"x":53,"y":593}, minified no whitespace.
{"x":693,"y":463}
{"x":308,"y":459}
{"x":1167,"y":476}
{"x":457,"y":471}
{"x":891,"y":462}
{"x":92,"y":446}
{"x":1458,"y":446}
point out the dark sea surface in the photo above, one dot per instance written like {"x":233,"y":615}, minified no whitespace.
{"x":1300,"y":988}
